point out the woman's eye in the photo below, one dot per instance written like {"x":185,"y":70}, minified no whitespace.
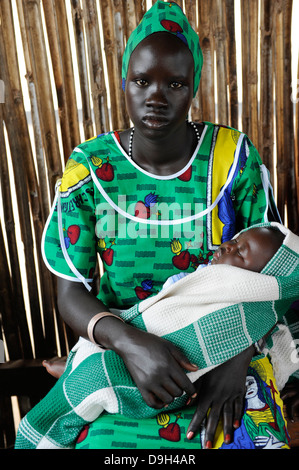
{"x":141,"y":82}
{"x":176,"y":85}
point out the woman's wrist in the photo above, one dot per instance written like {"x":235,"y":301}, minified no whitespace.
{"x":93,"y":322}
{"x":108,"y":330}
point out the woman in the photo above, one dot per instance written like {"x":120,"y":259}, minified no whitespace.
{"x":154,"y":200}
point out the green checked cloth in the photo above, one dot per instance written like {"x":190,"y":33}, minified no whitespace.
{"x":208,"y":314}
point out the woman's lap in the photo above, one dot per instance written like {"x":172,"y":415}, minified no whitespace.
{"x":262,"y":425}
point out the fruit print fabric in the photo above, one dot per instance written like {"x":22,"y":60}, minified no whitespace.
{"x":165,"y":17}
{"x":168,"y":430}
{"x":144,"y":226}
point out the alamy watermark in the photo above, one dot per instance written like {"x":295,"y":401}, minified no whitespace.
{"x":150,"y":219}
{"x":2,"y":91}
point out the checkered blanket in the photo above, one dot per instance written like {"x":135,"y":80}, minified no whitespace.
{"x":209,"y":315}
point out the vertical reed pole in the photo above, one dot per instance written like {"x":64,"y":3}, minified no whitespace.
{"x":96,"y":68}
{"x":279,"y":112}
{"x":118,"y":11}
{"x":17,"y":308}
{"x":206,"y":37}
{"x":288,"y":123}
{"x":40,"y":69}
{"x":51,"y":24}
{"x":249,"y":22}
{"x":245,"y":7}
{"x":77,"y":15}
{"x":140,"y":8}
{"x":297,"y":138}
{"x":286,"y":190}
{"x":190,"y":11}
{"x":12,"y":123}
{"x":266,"y":136}
{"x":68,"y":71}
{"x":114,"y":74}
{"x":232,"y":64}
{"x":130,"y":20}
{"x":39,"y":152}
{"x":221,"y":62}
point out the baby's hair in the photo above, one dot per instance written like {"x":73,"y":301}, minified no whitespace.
{"x":278,"y":234}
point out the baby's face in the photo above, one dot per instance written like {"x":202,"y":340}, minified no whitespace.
{"x":250,"y":250}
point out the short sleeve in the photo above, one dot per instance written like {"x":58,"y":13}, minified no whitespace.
{"x":69,"y":242}
{"x":252,"y":191}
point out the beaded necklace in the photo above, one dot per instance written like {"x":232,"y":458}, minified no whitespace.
{"x":133,"y":129}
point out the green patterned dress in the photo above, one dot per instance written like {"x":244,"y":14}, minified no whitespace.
{"x":147,"y":227}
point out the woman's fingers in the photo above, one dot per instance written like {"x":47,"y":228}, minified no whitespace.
{"x":228,"y":417}
{"x":183,"y":360}
{"x":197,"y":420}
{"x":231,"y":412}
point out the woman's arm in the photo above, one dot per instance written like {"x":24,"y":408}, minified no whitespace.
{"x":156,"y":365}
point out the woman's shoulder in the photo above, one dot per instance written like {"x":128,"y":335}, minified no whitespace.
{"x":95,"y":147}
{"x":95,"y":143}
{"x":224,"y":127}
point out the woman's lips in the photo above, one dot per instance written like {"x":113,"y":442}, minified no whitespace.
{"x":155,"y":121}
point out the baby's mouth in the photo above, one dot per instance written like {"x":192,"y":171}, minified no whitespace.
{"x":217,"y":255}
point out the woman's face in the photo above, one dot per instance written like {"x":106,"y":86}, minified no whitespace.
{"x":159,"y":85}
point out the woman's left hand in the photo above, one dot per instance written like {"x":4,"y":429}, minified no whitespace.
{"x":221,"y":390}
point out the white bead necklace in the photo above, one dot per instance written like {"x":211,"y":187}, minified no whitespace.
{"x":133,"y":129}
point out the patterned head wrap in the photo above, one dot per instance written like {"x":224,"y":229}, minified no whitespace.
{"x":165,"y":17}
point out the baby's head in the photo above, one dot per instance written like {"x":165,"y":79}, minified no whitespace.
{"x":252,"y":249}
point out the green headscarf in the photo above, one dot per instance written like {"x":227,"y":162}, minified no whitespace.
{"x":165,"y":17}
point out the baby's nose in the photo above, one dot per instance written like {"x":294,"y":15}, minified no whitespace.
{"x":228,"y":246}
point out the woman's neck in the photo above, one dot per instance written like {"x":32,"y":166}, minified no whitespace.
{"x":164,"y":156}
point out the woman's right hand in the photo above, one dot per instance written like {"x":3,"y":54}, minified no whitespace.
{"x":156,"y":366}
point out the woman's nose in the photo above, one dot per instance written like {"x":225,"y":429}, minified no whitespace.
{"x":156,"y":98}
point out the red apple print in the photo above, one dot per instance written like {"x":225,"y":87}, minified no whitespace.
{"x":141,"y":293}
{"x":182,"y":260}
{"x":186,"y":176}
{"x":107,"y":256}
{"x":105,"y":172}
{"x":171,"y":26}
{"x":141,"y":210}
{"x":83,"y":434}
{"x":172,"y":432}
{"x":73,"y":233}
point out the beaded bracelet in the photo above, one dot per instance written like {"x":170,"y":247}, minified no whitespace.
{"x":92,"y":323}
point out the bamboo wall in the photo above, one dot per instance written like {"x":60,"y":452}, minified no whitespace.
{"x":50,"y":53}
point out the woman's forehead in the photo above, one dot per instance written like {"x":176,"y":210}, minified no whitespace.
{"x":161,"y":47}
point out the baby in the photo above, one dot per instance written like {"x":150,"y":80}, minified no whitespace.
{"x":58,"y":419}
{"x":251,"y":249}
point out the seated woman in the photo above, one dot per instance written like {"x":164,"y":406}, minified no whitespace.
{"x":92,"y":384}
{"x":152,"y":201}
